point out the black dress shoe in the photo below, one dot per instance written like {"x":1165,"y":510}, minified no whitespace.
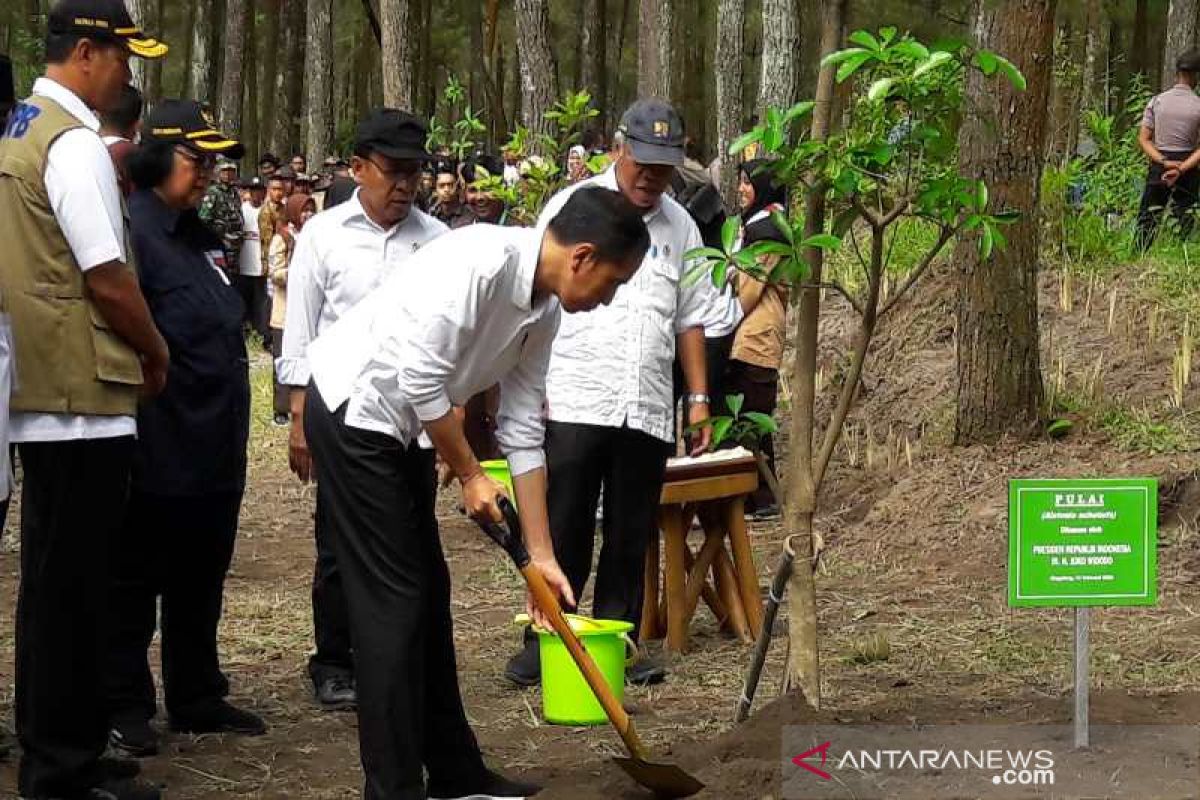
{"x":646,"y":672}
{"x":336,"y":693}
{"x":488,"y":786}
{"x":217,"y":716}
{"x":132,"y":735}
{"x":124,"y":789}
{"x":119,"y":768}
{"x":525,"y":668}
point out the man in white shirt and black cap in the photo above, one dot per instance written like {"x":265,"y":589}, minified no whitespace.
{"x":396,"y":365}
{"x":341,"y":257}
{"x":610,"y":399}
{"x":85,"y":349}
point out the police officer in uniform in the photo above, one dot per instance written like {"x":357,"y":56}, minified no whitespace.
{"x":85,"y":347}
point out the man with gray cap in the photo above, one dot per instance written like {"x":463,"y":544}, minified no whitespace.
{"x":221,"y":210}
{"x":1170,"y":138}
{"x":609,"y":394}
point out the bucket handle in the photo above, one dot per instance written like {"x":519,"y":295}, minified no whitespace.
{"x":632,"y":649}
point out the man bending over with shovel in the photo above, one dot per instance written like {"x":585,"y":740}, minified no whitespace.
{"x":398,"y":363}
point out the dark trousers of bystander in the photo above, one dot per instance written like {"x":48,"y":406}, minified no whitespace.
{"x":1157,"y":196}
{"x":380,"y":494}
{"x":73,"y":499}
{"x":281,"y":395}
{"x":253,"y":289}
{"x":630,"y":465}
{"x":759,"y":388}
{"x":179,"y":549}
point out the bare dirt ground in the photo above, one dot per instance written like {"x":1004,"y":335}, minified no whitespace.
{"x":916,"y":559}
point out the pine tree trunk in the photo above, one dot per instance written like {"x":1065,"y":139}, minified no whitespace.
{"x":999,"y":372}
{"x":1093,"y":86}
{"x":728,"y":66}
{"x":289,"y":84}
{"x":233,"y":75}
{"x":137,"y":12}
{"x":202,"y":74}
{"x":538,"y":84}
{"x":426,"y":90}
{"x":1139,"y":57}
{"x":318,"y":67}
{"x":656,"y":49}
{"x":250,"y":109}
{"x":1183,"y":17}
{"x":593,"y":56}
{"x":271,"y":81}
{"x":397,"y":56}
{"x":152,"y":90}
{"x":779,"y":84}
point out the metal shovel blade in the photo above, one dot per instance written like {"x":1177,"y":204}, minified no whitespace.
{"x":665,"y":780}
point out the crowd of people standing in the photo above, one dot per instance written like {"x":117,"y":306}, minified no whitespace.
{"x":140,"y":256}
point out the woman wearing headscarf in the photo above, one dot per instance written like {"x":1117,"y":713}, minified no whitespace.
{"x":190,"y":463}
{"x":297,"y":210}
{"x":758,"y":193}
{"x":577,"y":168}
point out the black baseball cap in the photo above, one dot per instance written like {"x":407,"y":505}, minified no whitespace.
{"x":186,"y":122}
{"x":253,"y":182}
{"x":394,"y":134}
{"x":654,"y":131}
{"x":103,"y":20}
{"x":483,"y":165}
{"x":268,"y":158}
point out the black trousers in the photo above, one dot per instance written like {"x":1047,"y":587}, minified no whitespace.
{"x":254,"y":296}
{"x":1158,"y":195}
{"x":380,"y":496}
{"x":630,"y":465}
{"x":179,"y":549}
{"x":716,"y":358}
{"x":281,"y":395}
{"x":759,"y":387}
{"x":72,"y":504}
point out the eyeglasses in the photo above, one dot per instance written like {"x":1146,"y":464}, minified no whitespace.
{"x":405,"y":172}
{"x":203,"y":162}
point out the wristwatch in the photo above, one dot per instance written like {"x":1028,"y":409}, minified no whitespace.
{"x":697,"y":399}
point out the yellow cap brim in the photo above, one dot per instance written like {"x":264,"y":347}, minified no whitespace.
{"x":215,"y":145}
{"x":147,"y":48}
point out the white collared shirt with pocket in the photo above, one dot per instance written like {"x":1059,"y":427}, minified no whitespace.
{"x":458,"y":319}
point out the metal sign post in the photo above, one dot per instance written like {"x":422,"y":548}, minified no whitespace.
{"x":1083,"y":619}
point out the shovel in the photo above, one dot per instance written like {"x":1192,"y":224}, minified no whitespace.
{"x":665,"y":780}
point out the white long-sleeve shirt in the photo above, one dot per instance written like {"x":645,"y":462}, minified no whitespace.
{"x":613,"y":366}
{"x":341,"y":257}
{"x":456,"y":320}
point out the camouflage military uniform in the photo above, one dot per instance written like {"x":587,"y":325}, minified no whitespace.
{"x":221,"y":210}
{"x":270,"y":220}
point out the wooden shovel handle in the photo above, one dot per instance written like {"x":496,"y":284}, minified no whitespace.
{"x":544,"y":596}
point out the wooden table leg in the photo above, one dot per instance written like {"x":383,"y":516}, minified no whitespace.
{"x":711,"y":597}
{"x":727,"y":587}
{"x":650,"y":602}
{"x":675,"y":543}
{"x":698,"y":571}
{"x":743,"y":559}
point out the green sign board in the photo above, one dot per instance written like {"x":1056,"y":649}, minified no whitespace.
{"x":1082,"y":542}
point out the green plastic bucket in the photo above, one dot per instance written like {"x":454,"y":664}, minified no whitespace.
{"x":566,"y":697}
{"x":498,"y":471}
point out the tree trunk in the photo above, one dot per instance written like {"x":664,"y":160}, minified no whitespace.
{"x":779,"y":85}
{"x":289,"y":78}
{"x":999,"y":371}
{"x":137,"y":12}
{"x":1093,"y":86}
{"x":486,"y":95}
{"x":656,"y":50}
{"x":185,"y":74}
{"x":397,"y":56}
{"x":233,"y":75}
{"x":1139,"y":56}
{"x":318,"y":66}
{"x":271,"y":82}
{"x":152,"y":90}
{"x":250,"y":109}
{"x":426,"y":88}
{"x":593,"y":56}
{"x":1182,"y":20}
{"x":804,"y":658}
{"x":537,"y":65}
{"x":201,"y":73}
{"x":731,"y":21}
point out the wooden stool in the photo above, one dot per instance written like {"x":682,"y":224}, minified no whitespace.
{"x":718,"y":498}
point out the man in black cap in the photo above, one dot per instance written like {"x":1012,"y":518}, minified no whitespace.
{"x":341,"y":256}
{"x":611,"y":417}
{"x":268,"y":164}
{"x":1170,"y":138}
{"x":84,"y":361}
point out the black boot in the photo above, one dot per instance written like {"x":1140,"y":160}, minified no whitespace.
{"x":525,"y":668}
{"x":488,"y":786}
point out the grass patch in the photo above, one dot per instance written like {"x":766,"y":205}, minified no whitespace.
{"x":1136,"y":430}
